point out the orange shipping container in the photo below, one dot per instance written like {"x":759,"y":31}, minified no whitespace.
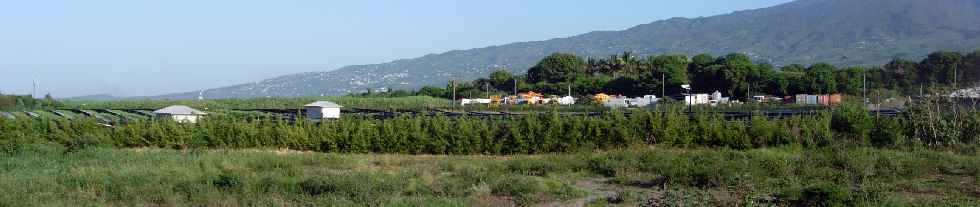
{"x":835,"y":99}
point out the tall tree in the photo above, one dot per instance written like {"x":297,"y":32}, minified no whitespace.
{"x":971,"y":68}
{"x":501,"y":80}
{"x":939,"y":67}
{"x":698,"y":71}
{"x":558,"y":67}
{"x":820,"y":77}
{"x":902,"y":74}
{"x":731,"y":75}
{"x":795,"y":75}
{"x":849,"y":80}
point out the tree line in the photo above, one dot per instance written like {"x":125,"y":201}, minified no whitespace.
{"x":15,"y":102}
{"x":734,"y":75}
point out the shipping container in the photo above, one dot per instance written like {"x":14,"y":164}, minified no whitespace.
{"x":823,"y":100}
{"x":835,"y":99}
{"x":811,"y":99}
{"x":800,"y":99}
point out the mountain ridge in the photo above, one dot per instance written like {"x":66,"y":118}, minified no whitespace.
{"x":842,"y":32}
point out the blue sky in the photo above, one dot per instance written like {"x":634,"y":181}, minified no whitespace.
{"x":152,"y":47}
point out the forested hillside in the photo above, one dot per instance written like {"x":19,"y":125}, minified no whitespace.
{"x":838,"y":32}
{"x":733,"y":75}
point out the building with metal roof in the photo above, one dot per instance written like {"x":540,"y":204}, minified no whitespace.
{"x":180,"y":113}
{"x":323,"y":110}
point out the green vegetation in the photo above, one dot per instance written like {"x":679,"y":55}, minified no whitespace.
{"x":843,"y":156}
{"x":925,"y":125}
{"x":51,"y":175}
{"x":15,"y":102}
{"x":733,"y":75}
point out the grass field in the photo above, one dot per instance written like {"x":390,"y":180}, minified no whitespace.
{"x":78,"y":175}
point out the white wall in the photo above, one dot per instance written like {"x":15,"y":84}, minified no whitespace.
{"x":331,"y":113}
{"x":322,"y":113}
{"x":182,"y":118}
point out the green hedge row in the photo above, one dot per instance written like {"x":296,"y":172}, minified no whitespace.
{"x":541,"y":133}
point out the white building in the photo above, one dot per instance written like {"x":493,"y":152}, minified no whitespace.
{"x":617,"y":102}
{"x":697,"y":99}
{"x":467,"y":101}
{"x":623,"y":102}
{"x":567,"y":100}
{"x":643,"y":101}
{"x":180,"y":113}
{"x":323,"y":110}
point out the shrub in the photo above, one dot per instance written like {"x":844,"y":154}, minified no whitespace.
{"x":81,"y":143}
{"x":532,"y":167}
{"x":603,"y":166}
{"x":191,"y":189}
{"x":317,"y":185}
{"x":853,"y":121}
{"x":824,"y":195}
{"x":528,"y":189}
{"x":13,"y":144}
{"x":887,"y":132}
{"x":227,"y":182}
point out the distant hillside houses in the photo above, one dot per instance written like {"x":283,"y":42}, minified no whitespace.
{"x":619,"y":101}
{"x":528,"y":98}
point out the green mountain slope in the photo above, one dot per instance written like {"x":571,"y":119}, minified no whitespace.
{"x":844,"y":32}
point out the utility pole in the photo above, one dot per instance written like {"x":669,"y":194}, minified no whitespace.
{"x":515,"y":86}
{"x":486,"y":87}
{"x":878,"y":104}
{"x":956,"y":112}
{"x":569,"y":89}
{"x":663,"y":85}
{"x":864,"y":85}
{"x":454,"y":93}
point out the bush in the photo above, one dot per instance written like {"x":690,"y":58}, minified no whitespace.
{"x":853,"y":121}
{"x":317,"y":185}
{"x":13,"y":144}
{"x":528,"y":189}
{"x":81,"y":143}
{"x":532,"y":167}
{"x":227,"y":182}
{"x":887,"y":132}
{"x":824,"y":195}
{"x":603,"y":166}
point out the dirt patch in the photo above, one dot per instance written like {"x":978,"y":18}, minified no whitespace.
{"x":598,"y":188}
{"x":490,"y":200}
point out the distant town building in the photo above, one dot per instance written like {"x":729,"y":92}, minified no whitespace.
{"x":180,"y":113}
{"x":644,"y":101}
{"x":323,"y":110}
{"x":467,"y":101}
{"x":567,"y":100}
{"x":697,"y":99}
{"x":623,"y":101}
{"x":530,"y":97}
{"x":601,"y":97}
{"x":617,"y":102}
